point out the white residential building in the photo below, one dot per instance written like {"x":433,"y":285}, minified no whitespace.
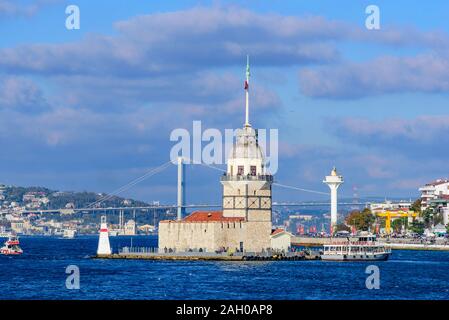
{"x":130,"y":228}
{"x":433,"y":190}
{"x":305,"y":217}
{"x":281,"y":240}
{"x":28,"y":197}
{"x":390,"y":205}
{"x":17,"y":226}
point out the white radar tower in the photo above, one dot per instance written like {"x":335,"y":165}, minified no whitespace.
{"x":333,"y":181}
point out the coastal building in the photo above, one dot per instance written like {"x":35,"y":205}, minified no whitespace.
{"x":390,"y":206}
{"x":303,"y":217}
{"x":245,"y":221}
{"x":17,"y":226}
{"x":70,"y":205}
{"x":433,"y":190}
{"x":440,"y":205}
{"x":281,"y":240}
{"x":130,"y":228}
{"x":147,"y":228}
{"x":439,"y":230}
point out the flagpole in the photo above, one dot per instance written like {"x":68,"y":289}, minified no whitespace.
{"x":247,"y":93}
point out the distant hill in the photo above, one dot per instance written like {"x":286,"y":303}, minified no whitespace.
{"x":41,"y":198}
{"x":60,"y":199}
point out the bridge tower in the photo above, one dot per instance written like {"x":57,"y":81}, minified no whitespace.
{"x":181,"y":188}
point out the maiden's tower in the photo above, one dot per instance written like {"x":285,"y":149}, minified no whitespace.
{"x":244,"y":223}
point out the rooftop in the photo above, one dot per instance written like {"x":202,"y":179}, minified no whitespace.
{"x":277,"y":231}
{"x":437,"y":182}
{"x":207,"y":216}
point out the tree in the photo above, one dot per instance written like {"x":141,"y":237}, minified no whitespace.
{"x":416,"y":206}
{"x":428,"y":216}
{"x":342,"y":227}
{"x":397,"y":224}
{"x":361,"y":220}
{"x":417,"y":227}
{"x":438,"y":218}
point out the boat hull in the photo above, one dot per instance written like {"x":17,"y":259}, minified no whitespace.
{"x":10,"y":252}
{"x":357,"y":257}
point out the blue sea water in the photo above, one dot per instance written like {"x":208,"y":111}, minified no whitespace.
{"x":40,"y":274}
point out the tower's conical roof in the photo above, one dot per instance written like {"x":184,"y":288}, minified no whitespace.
{"x":246,"y":145}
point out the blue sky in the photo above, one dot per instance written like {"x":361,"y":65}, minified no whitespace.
{"x":92,"y":109}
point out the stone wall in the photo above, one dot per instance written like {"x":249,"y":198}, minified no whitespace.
{"x":258,"y":236}
{"x":210,"y":236}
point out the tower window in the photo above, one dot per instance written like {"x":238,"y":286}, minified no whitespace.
{"x":253,"y":170}
{"x":240,"y":170}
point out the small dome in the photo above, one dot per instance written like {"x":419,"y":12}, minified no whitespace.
{"x":334,"y":172}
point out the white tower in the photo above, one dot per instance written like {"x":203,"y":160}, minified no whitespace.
{"x":103,"y":242}
{"x":333,"y":181}
{"x":247,"y":185}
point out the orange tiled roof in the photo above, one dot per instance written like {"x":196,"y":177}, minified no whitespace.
{"x":276,"y":231}
{"x":209,"y":216}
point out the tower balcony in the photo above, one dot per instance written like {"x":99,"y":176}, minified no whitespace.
{"x":260,"y":177}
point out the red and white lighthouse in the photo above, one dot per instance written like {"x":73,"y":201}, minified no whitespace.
{"x":103,"y":242}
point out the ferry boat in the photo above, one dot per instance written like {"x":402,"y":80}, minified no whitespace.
{"x":11,"y":246}
{"x":363,"y":248}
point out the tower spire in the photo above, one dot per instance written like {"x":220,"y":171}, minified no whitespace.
{"x":247,"y":93}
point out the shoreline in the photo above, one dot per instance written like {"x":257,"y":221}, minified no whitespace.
{"x":417,"y":247}
{"x":209,"y":257}
{"x":319,"y":242}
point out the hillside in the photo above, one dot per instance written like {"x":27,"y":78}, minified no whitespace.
{"x":44,"y":198}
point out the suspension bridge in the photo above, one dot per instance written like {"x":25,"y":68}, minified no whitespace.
{"x":96,"y":206}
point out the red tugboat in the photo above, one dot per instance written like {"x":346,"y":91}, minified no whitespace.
{"x":11,"y":246}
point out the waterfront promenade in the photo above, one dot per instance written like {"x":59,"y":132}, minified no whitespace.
{"x":144,"y":253}
{"x":393,"y":243}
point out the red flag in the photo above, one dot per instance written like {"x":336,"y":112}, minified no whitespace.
{"x":246,"y":84}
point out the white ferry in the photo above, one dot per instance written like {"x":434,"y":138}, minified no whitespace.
{"x":363,"y":248}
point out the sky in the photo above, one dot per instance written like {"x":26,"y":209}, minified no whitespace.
{"x":92,"y":109}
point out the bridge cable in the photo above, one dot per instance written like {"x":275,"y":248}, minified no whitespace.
{"x":300,"y":189}
{"x":131,"y":184}
{"x":275,"y":183}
